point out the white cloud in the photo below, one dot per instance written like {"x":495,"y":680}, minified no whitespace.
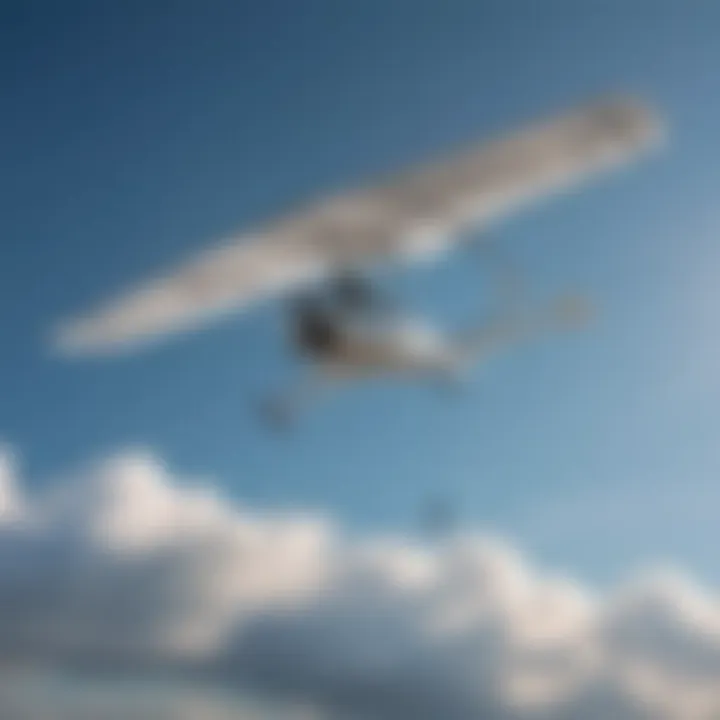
{"x":125,"y":567}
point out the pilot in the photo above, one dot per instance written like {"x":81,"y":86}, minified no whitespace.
{"x":320,"y":320}
{"x":317,"y":328}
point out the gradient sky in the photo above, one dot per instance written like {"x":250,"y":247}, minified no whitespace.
{"x":134,"y":133}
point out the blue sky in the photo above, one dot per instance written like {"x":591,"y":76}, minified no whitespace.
{"x":134,"y":133}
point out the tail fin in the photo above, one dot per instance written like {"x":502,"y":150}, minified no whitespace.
{"x":572,"y":312}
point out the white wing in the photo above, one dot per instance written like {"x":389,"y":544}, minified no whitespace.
{"x":420,"y":212}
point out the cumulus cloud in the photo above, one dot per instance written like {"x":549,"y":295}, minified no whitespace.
{"x":125,"y":567}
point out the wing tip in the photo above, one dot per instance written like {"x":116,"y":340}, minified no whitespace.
{"x":632,"y":120}
{"x":81,"y":339}
{"x":70,"y":341}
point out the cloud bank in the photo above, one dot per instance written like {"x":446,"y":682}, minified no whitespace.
{"x":125,"y":567}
